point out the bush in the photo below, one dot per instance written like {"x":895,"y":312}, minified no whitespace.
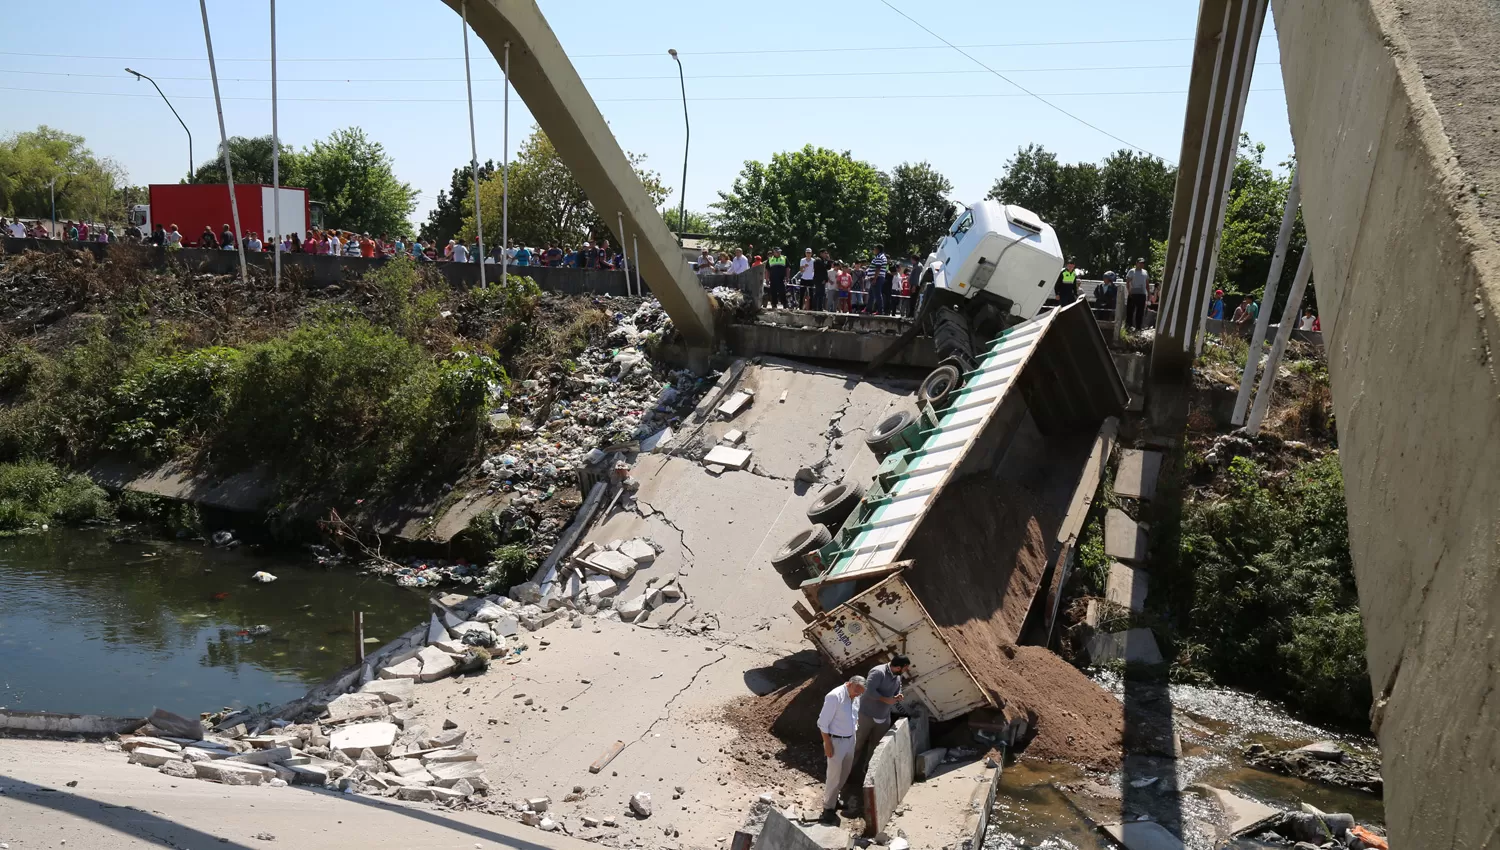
{"x":34,"y":493}
{"x":509,"y":566}
{"x":171,"y":515}
{"x":173,"y":400}
{"x":407,"y":302}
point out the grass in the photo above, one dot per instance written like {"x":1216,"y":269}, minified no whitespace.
{"x":34,"y":494}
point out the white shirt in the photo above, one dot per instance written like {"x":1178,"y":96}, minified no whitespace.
{"x":460,"y":254}
{"x":17,"y":230}
{"x":1307,"y":323}
{"x":806,"y":268}
{"x":173,"y":238}
{"x":840,"y":714}
{"x":739,"y":264}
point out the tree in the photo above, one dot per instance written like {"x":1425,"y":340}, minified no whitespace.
{"x":447,"y":218}
{"x":808,"y":198}
{"x":920,"y":212}
{"x":698,"y":223}
{"x":250,"y":156}
{"x":354,"y":178}
{"x":1252,"y":221}
{"x":546,"y":203}
{"x":1137,"y":192}
{"x":85,"y":184}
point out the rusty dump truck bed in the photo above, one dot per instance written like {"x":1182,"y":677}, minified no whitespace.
{"x":946,"y":558}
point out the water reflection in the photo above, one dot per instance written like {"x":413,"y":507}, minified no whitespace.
{"x":93,"y":627}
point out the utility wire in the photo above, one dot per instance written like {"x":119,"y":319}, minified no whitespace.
{"x":971,"y":57}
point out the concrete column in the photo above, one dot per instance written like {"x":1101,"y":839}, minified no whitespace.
{"x":1223,"y":64}
{"x":546,"y":80}
{"x":1393,"y":112}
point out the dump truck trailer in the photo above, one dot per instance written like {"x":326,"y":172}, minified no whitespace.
{"x":964,"y":538}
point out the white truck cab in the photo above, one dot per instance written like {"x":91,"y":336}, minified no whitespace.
{"x":1000,"y":250}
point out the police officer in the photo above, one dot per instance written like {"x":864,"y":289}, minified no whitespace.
{"x":1066,"y":288}
{"x":776,"y":273}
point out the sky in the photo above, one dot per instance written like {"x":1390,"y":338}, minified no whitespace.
{"x":851,"y":75}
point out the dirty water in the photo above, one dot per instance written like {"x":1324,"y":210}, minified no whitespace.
{"x":93,"y":627}
{"x":1054,"y":806}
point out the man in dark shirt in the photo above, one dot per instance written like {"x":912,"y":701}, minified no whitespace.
{"x":820,"y":280}
{"x":882,"y":690}
{"x":776,"y":275}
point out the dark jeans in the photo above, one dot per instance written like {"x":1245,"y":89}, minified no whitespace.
{"x":1066,"y":294}
{"x":778,"y":293}
{"x":814,"y":294}
{"x":1135,"y":311}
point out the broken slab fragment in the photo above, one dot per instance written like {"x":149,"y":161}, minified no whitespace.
{"x":612,"y":563}
{"x":262,"y":757}
{"x":600,"y":586}
{"x":427,"y":794}
{"x":727,"y":457}
{"x":631,"y":608}
{"x":1123,"y":538}
{"x":436,"y":664}
{"x":1127,"y":587}
{"x":409,"y":669}
{"x":1137,"y":474}
{"x":379,"y":737}
{"x":449,"y":756}
{"x":391,"y":690}
{"x":448,"y":774}
{"x":436,"y":631}
{"x":355,"y":706}
{"x":1242,"y":814}
{"x":1142,"y":835}
{"x":639,"y":549}
{"x":135,"y":743}
{"x":232,"y":774}
{"x":734,"y":404}
{"x":176,"y":726}
{"x":1133,"y":646}
{"x":152,"y":757}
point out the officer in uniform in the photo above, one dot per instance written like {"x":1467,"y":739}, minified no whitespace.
{"x":776,"y":272}
{"x":1066,"y":288}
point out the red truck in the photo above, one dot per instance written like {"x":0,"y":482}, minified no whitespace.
{"x":193,"y":207}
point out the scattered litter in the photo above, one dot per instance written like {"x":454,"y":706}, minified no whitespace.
{"x":263,"y":577}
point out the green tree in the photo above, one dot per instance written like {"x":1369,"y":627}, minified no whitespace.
{"x":85,"y":184}
{"x":1252,"y":221}
{"x":250,"y":157}
{"x":354,"y":177}
{"x":546,"y":203}
{"x":809,"y":198}
{"x":1137,"y":192}
{"x":447,"y":218}
{"x":700,"y":223}
{"x":920,"y":211}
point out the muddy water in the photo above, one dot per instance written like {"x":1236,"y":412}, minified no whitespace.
{"x":1055,"y":806}
{"x":92,"y":627}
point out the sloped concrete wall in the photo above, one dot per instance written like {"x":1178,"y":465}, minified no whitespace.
{"x":1393,"y":111}
{"x":890,"y":774}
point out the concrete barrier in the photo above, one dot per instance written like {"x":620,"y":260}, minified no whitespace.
{"x":890,"y":774}
{"x":49,"y":723}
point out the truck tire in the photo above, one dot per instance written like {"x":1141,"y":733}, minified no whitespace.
{"x":952,"y":336}
{"x":880,"y":439}
{"x":834,"y":504}
{"x":788,"y":559}
{"x":940,"y":385}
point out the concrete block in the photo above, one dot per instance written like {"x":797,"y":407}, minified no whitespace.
{"x":436,"y":664}
{"x":732,"y":406}
{"x":411,"y":668}
{"x":889,"y":775}
{"x":1123,"y":538}
{"x":229,"y":773}
{"x":779,"y":833}
{"x":614,"y":564}
{"x":1127,"y":587}
{"x":1133,"y":646}
{"x":450,"y":756}
{"x":929,"y":760}
{"x":405,"y":766}
{"x":727,"y":457}
{"x":639,"y":549}
{"x":734,"y":437}
{"x":357,"y":705}
{"x":428,"y":794}
{"x":179,"y":769}
{"x":446,"y":775}
{"x":135,"y":743}
{"x":262,"y":757}
{"x":152,"y":757}
{"x":600,"y":586}
{"x":391,"y":690}
{"x":379,"y":737}
{"x":1242,"y":814}
{"x":176,"y":726}
{"x":1136,"y":477}
{"x":1142,"y":835}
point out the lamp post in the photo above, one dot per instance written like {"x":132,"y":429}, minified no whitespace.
{"x":687,"y":137}
{"x":138,"y":77}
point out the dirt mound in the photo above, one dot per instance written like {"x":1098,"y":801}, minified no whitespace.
{"x":1072,"y":718}
{"x":779,"y":730}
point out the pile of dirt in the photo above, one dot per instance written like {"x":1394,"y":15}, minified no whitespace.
{"x":778,"y":731}
{"x":1072,"y":718}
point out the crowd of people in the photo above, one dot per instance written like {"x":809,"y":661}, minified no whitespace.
{"x":875,"y":284}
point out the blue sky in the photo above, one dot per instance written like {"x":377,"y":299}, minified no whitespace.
{"x":763,"y":77}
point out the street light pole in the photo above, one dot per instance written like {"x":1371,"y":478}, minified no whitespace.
{"x":138,"y":77}
{"x":687,"y":137}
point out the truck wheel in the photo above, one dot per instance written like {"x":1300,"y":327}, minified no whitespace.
{"x":835,"y":503}
{"x":939,"y":386}
{"x":880,"y":439}
{"x":788,"y":559}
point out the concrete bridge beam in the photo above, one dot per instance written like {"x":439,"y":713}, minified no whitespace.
{"x":546,"y":80}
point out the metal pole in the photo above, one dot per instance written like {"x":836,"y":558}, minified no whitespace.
{"x":1283,"y":333}
{"x":139,"y":76}
{"x":620,"y":218}
{"x":275,"y":161}
{"x":359,"y":637}
{"x":1273,"y":282}
{"x":504,"y":179}
{"x":52,"y":187}
{"x":686,"y":139}
{"x":234,"y":206}
{"x":473,"y":145}
{"x":636,"y":245}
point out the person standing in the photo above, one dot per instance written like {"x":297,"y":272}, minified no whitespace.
{"x":1137,"y":287}
{"x":1309,"y":321}
{"x":740,"y":263}
{"x":882,"y":690}
{"x":1066,"y":287}
{"x":776,"y":274}
{"x":1216,"y":306}
{"x":819,"y":298}
{"x":457,"y":251}
{"x":837,"y":723}
{"x":172,"y":239}
{"x":807,"y":273}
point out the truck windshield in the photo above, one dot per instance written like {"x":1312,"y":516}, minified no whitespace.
{"x":961,"y":226}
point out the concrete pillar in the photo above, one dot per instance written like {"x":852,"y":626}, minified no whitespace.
{"x":1223,"y":64}
{"x":1393,"y":111}
{"x":546,"y":80}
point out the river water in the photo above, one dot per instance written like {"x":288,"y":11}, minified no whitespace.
{"x":1056,"y":806}
{"x":93,"y":627}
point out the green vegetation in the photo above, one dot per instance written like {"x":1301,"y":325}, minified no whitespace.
{"x":509,"y":565}
{"x":1273,"y":601}
{"x":33,"y":494}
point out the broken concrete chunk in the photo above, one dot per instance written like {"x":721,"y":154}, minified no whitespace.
{"x":487,"y":612}
{"x":533,"y":618}
{"x":640,"y":803}
{"x":600,"y":586}
{"x":405,"y":766}
{"x":1134,"y":646}
{"x":504,"y":626}
{"x":728,"y":457}
{"x":538,"y":804}
{"x":436,"y":664}
{"x":229,"y":773}
{"x":129,"y":744}
{"x":436,"y":631}
{"x":1326,"y":750}
{"x":152,"y":757}
{"x":639,"y":549}
{"x":631,"y":608}
{"x":428,"y":794}
{"x":390,"y":690}
{"x":448,"y":774}
{"x":731,"y":406}
{"x":176,"y":726}
{"x":262,"y":757}
{"x":179,"y":769}
{"x":379,"y":737}
{"x":612,"y":563}
{"x":528,"y":593}
{"x":449,"y":756}
{"x":1127,"y":587}
{"x":445,"y":738}
{"x":734,"y":437}
{"x":355,"y":706}
{"x":411,"y":668}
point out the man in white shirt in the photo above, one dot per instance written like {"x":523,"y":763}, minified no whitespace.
{"x":460,"y":253}
{"x":740,"y":263}
{"x":837,"y":722}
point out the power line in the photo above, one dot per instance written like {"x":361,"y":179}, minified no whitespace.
{"x":1111,"y":69}
{"x":652,"y":54}
{"x":980,"y":95}
{"x":924,"y":28}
